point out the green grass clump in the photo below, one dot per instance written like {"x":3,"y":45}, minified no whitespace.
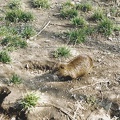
{"x":15,"y":79}
{"x":113,"y":11}
{"x":62,"y":52}
{"x":28,"y":31}
{"x":91,"y":100}
{"x":14,"y":41}
{"x":89,"y":30}
{"x":68,"y":4}
{"x":4,"y":57}
{"x":105,"y":27}
{"x":68,"y":11}
{"x":29,"y":101}
{"x":8,"y":30}
{"x":40,"y":3}
{"x":77,"y":36}
{"x":85,"y":7}
{"x":79,"y":21}
{"x":19,"y":16}
{"x":14,"y":4}
{"x":98,"y":15}
{"x":3,"y":30}
{"x":116,"y":28}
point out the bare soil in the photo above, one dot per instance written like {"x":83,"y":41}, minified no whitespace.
{"x":71,"y":99}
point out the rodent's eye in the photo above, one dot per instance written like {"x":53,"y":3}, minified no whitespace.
{"x":61,"y":67}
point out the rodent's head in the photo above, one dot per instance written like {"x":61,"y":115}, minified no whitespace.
{"x":62,"y":69}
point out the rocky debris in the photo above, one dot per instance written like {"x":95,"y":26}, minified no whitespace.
{"x":100,"y":114}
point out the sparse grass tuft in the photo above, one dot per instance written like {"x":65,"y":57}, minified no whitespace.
{"x":8,"y":30}
{"x":28,"y":31}
{"x":85,"y":7}
{"x":89,"y":30}
{"x":4,"y":57}
{"x":116,"y":28}
{"x":29,"y":101}
{"x":68,"y":4}
{"x":15,"y":79}
{"x":91,"y":100}
{"x":14,"y":4}
{"x":62,"y":52}
{"x":14,"y":41}
{"x":98,"y":15}
{"x":40,"y":3}
{"x":3,"y":31}
{"x":19,"y":16}
{"x":105,"y":27}
{"x":77,"y":36}
{"x":113,"y":11}
{"x":68,"y":11}
{"x":79,"y":21}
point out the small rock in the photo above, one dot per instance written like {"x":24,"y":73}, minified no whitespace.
{"x":13,"y":118}
{"x":110,"y":38}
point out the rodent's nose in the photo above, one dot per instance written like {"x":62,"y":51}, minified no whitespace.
{"x":55,"y":70}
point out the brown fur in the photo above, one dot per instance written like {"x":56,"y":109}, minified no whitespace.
{"x":77,"y":67}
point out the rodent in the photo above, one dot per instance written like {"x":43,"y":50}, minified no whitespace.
{"x":77,"y":67}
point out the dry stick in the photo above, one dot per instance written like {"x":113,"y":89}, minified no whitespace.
{"x":44,"y":26}
{"x":63,"y":110}
{"x":59,"y":108}
{"x":71,"y":90}
{"x":75,"y":113}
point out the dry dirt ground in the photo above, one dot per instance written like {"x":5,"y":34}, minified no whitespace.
{"x":65,"y":100}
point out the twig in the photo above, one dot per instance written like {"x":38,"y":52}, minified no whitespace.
{"x":59,"y":108}
{"x":71,"y":90}
{"x":44,"y":26}
{"x":64,"y":111}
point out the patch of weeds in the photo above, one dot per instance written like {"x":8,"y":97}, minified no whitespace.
{"x":13,"y":16}
{"x":98,"y":15}
{"x":3,"y":31}
{"x":40,"y":3}
{"x":12,"y":30}
{"x":1,"y":18}
{"x":85,"y":7}
{"x":15,"y":79}
{"x":79,"y":21}
{"x":14,"y":4}
{"x":116,"y":28}
{"x":26,"y":17}
{"x":8,"y":30}
{"x":28,"y":31}
{"x":4,"y":57}
{"x":113,"y":11}
{"x":77,"y":36}
{"x":89,"y":30}
{"x":14,"y":41}
{"x":91,"y":100}
{"x":19,"y":16}
{"x":68,"y":11}
{"x":105,"y":27}
{"x":29,"y":101}
{"x":62,"y":52}
{"x":68,"y":4}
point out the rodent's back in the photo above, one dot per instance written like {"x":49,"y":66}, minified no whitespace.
{"x":77,"y":67}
